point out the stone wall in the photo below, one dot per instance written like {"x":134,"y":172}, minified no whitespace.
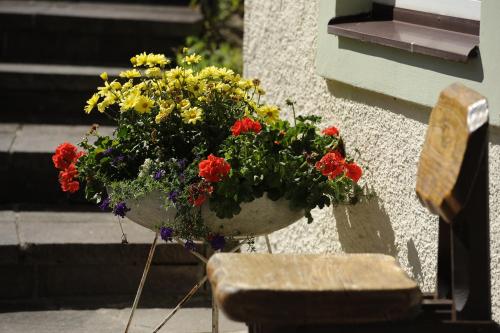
{"x":279,"y":49}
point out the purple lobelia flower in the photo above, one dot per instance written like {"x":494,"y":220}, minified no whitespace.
{"x":107,"y":152}
{"x":189,"y":245}
{"x":172,"y":196}
{"x":182,"y":163}
{"x":159,"y":174}
{"x":121,"y":209}
{"x":217,"y":242}
{"x":104,"y":205}
{"x":166,"y":233}
{"x":182,"y":178}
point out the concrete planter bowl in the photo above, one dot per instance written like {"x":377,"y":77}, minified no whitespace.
{"x":259,"y":217}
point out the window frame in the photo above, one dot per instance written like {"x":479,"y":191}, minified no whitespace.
{"x":445,"y":37}
{"x":400,"y":74}
{"x":467,"y":9}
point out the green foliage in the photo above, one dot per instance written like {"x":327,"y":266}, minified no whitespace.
{"x":168,"y":121}
{"x":217,"y":54}
{"x":220,"y":43}
{"x":280,"y":161}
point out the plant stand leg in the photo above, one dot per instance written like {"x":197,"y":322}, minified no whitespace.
{"x":143,"y":280}
{"x":268,"y":243}
{"x":181,"y":303}
{"x":215,"y":309}
{"x":215,"y":316}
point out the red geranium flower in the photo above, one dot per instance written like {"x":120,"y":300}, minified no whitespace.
{"x":65,"y":155}
{"x":64,"y":159}
{"x":214,"y":168}
{"x":70,"y":187}
{"x":246,"y":125}
{"x":331,"y":165}
{"x":198,"y":193}
{"x":67,"y":179}
{"x":353,"y":171}
{"x":198,"y":201}
{"x":331,"y":131}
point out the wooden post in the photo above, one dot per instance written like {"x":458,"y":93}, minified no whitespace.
{"x":452,"y":181}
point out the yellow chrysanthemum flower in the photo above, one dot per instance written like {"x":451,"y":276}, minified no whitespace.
{"x":270,"y":113}
{"x":103,"y":91}
{"x":245,"y":84}
{"x":192,"y":115}
{"x":91,"y":103}
{"x":141,"y":86}
{"x":130,"y":74}
{"x":209,"y":72}
{"x":184,"y":104}
{"x":153,"y":60}
{"x":236,"y":78}
{"x":143,"y":104}
{"x":239,"y":92}
{"x":115,"y":85}
{"x":101,"y":107}
{"x":175,"y":73}
{"x":226,"y":74}
{"x":129,"y":101}
{"x":222,"y":87}
{"x":252,"y":104}
{"x":127,"y":85}
{"x":139,"y":60}
{"x":104,"y":76}
{"x":111,"y":98}
{"x":166,"y":108}
{"x":195,"y":85}
{"x":109,"y":88}
{"x":153,"y":72}
{"x":192,"y":59}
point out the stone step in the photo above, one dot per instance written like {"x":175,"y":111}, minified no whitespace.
{"x":187,"y":320}
{"x":42,"y":93}
{"x":76,"y":259}
{"x":149,"y":2}
{"x":27,"y":174}
{"x":69,"y":32}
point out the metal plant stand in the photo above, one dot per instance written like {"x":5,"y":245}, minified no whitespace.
{"x":196,"y":287}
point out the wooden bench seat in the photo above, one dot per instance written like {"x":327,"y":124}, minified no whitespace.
{"x":313,"y":288}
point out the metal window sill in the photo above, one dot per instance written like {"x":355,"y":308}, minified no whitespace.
{"x":440,"y":36}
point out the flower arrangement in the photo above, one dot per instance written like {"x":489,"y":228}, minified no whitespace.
{"x":202,"y":136}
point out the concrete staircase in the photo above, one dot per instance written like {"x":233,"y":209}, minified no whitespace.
{"x":51,"y":52}
{"x":90,"y":33}
{"x":57,"y":250}
{"x":76,"y":259}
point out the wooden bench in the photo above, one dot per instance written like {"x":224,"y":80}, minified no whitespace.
{"x":370,"y":292}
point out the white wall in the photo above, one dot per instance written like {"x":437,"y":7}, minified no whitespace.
{"x":279,"y":48}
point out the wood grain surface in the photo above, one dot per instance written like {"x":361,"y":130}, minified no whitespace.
{"x":312,"y":288}
{"x":459,"y":112}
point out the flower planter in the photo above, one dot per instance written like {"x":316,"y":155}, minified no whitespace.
{"x":203,"y":134}
{"x":258,"y":217}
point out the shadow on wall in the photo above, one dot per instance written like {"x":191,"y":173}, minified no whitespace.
{"x":365,"y":228}
{"x":373,"y":99}
{"x":414,"y":262}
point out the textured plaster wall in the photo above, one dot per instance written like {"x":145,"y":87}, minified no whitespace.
{"x":279,"y":49}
